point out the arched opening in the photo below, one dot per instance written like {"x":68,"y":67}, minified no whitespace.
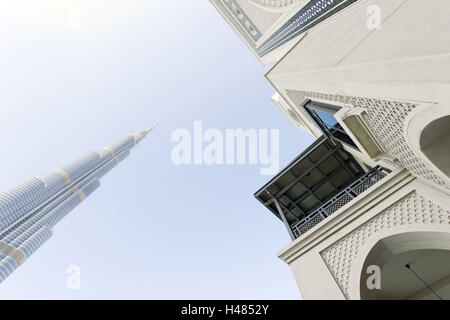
{"x":409,"y":266}
{"x":435,"y":143}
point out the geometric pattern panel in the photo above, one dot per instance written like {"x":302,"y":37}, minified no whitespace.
{"x":412,"y":210}
{"x":314,"y":220}
{"x":385,"y":119}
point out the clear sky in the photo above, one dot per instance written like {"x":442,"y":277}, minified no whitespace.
{"x":153,"y":230}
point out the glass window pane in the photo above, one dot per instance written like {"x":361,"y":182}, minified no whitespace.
{"x":328,"y":119}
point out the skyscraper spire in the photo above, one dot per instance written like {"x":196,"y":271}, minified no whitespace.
{"x":29,"y":211}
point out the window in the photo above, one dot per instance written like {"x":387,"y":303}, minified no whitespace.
{"x":323,"y":115}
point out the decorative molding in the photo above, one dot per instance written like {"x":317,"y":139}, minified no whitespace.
{"x":243,"y":20}
{"x":303,"y":18}
{"x":390,"y":186}
{"x":310,"y":15}
{"x":411,"y":210}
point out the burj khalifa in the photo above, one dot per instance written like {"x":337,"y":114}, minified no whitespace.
{"x":29,"y":211}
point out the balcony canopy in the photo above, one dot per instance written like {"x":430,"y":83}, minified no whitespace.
{"x":322,"y":171}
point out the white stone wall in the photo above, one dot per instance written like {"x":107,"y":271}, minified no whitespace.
{"x":266,"y":16}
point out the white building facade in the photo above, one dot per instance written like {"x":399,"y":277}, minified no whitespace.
{"x":372,"y":76}
{"x":29,"y":211}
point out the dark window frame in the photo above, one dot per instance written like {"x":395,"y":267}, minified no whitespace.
{"x":311,"y":106}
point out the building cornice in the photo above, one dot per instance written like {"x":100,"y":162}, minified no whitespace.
{"x":345,"y":215}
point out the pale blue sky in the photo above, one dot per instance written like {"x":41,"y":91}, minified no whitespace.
{"x":153,"y":230}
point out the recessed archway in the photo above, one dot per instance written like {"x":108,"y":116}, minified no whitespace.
{"x":435,"y":143}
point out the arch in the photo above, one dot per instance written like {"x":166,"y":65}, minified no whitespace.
{"x":435,"y":143}
{"x":427,"y":129}
{"x":275,"y":5}
{"x":391,"y":244}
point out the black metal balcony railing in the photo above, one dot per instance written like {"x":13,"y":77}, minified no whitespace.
{"x":340,"y":200}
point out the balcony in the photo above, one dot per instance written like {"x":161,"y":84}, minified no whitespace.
{"x":319,"y":182}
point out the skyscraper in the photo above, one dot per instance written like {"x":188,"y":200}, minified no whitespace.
{"x":29,"y":211}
